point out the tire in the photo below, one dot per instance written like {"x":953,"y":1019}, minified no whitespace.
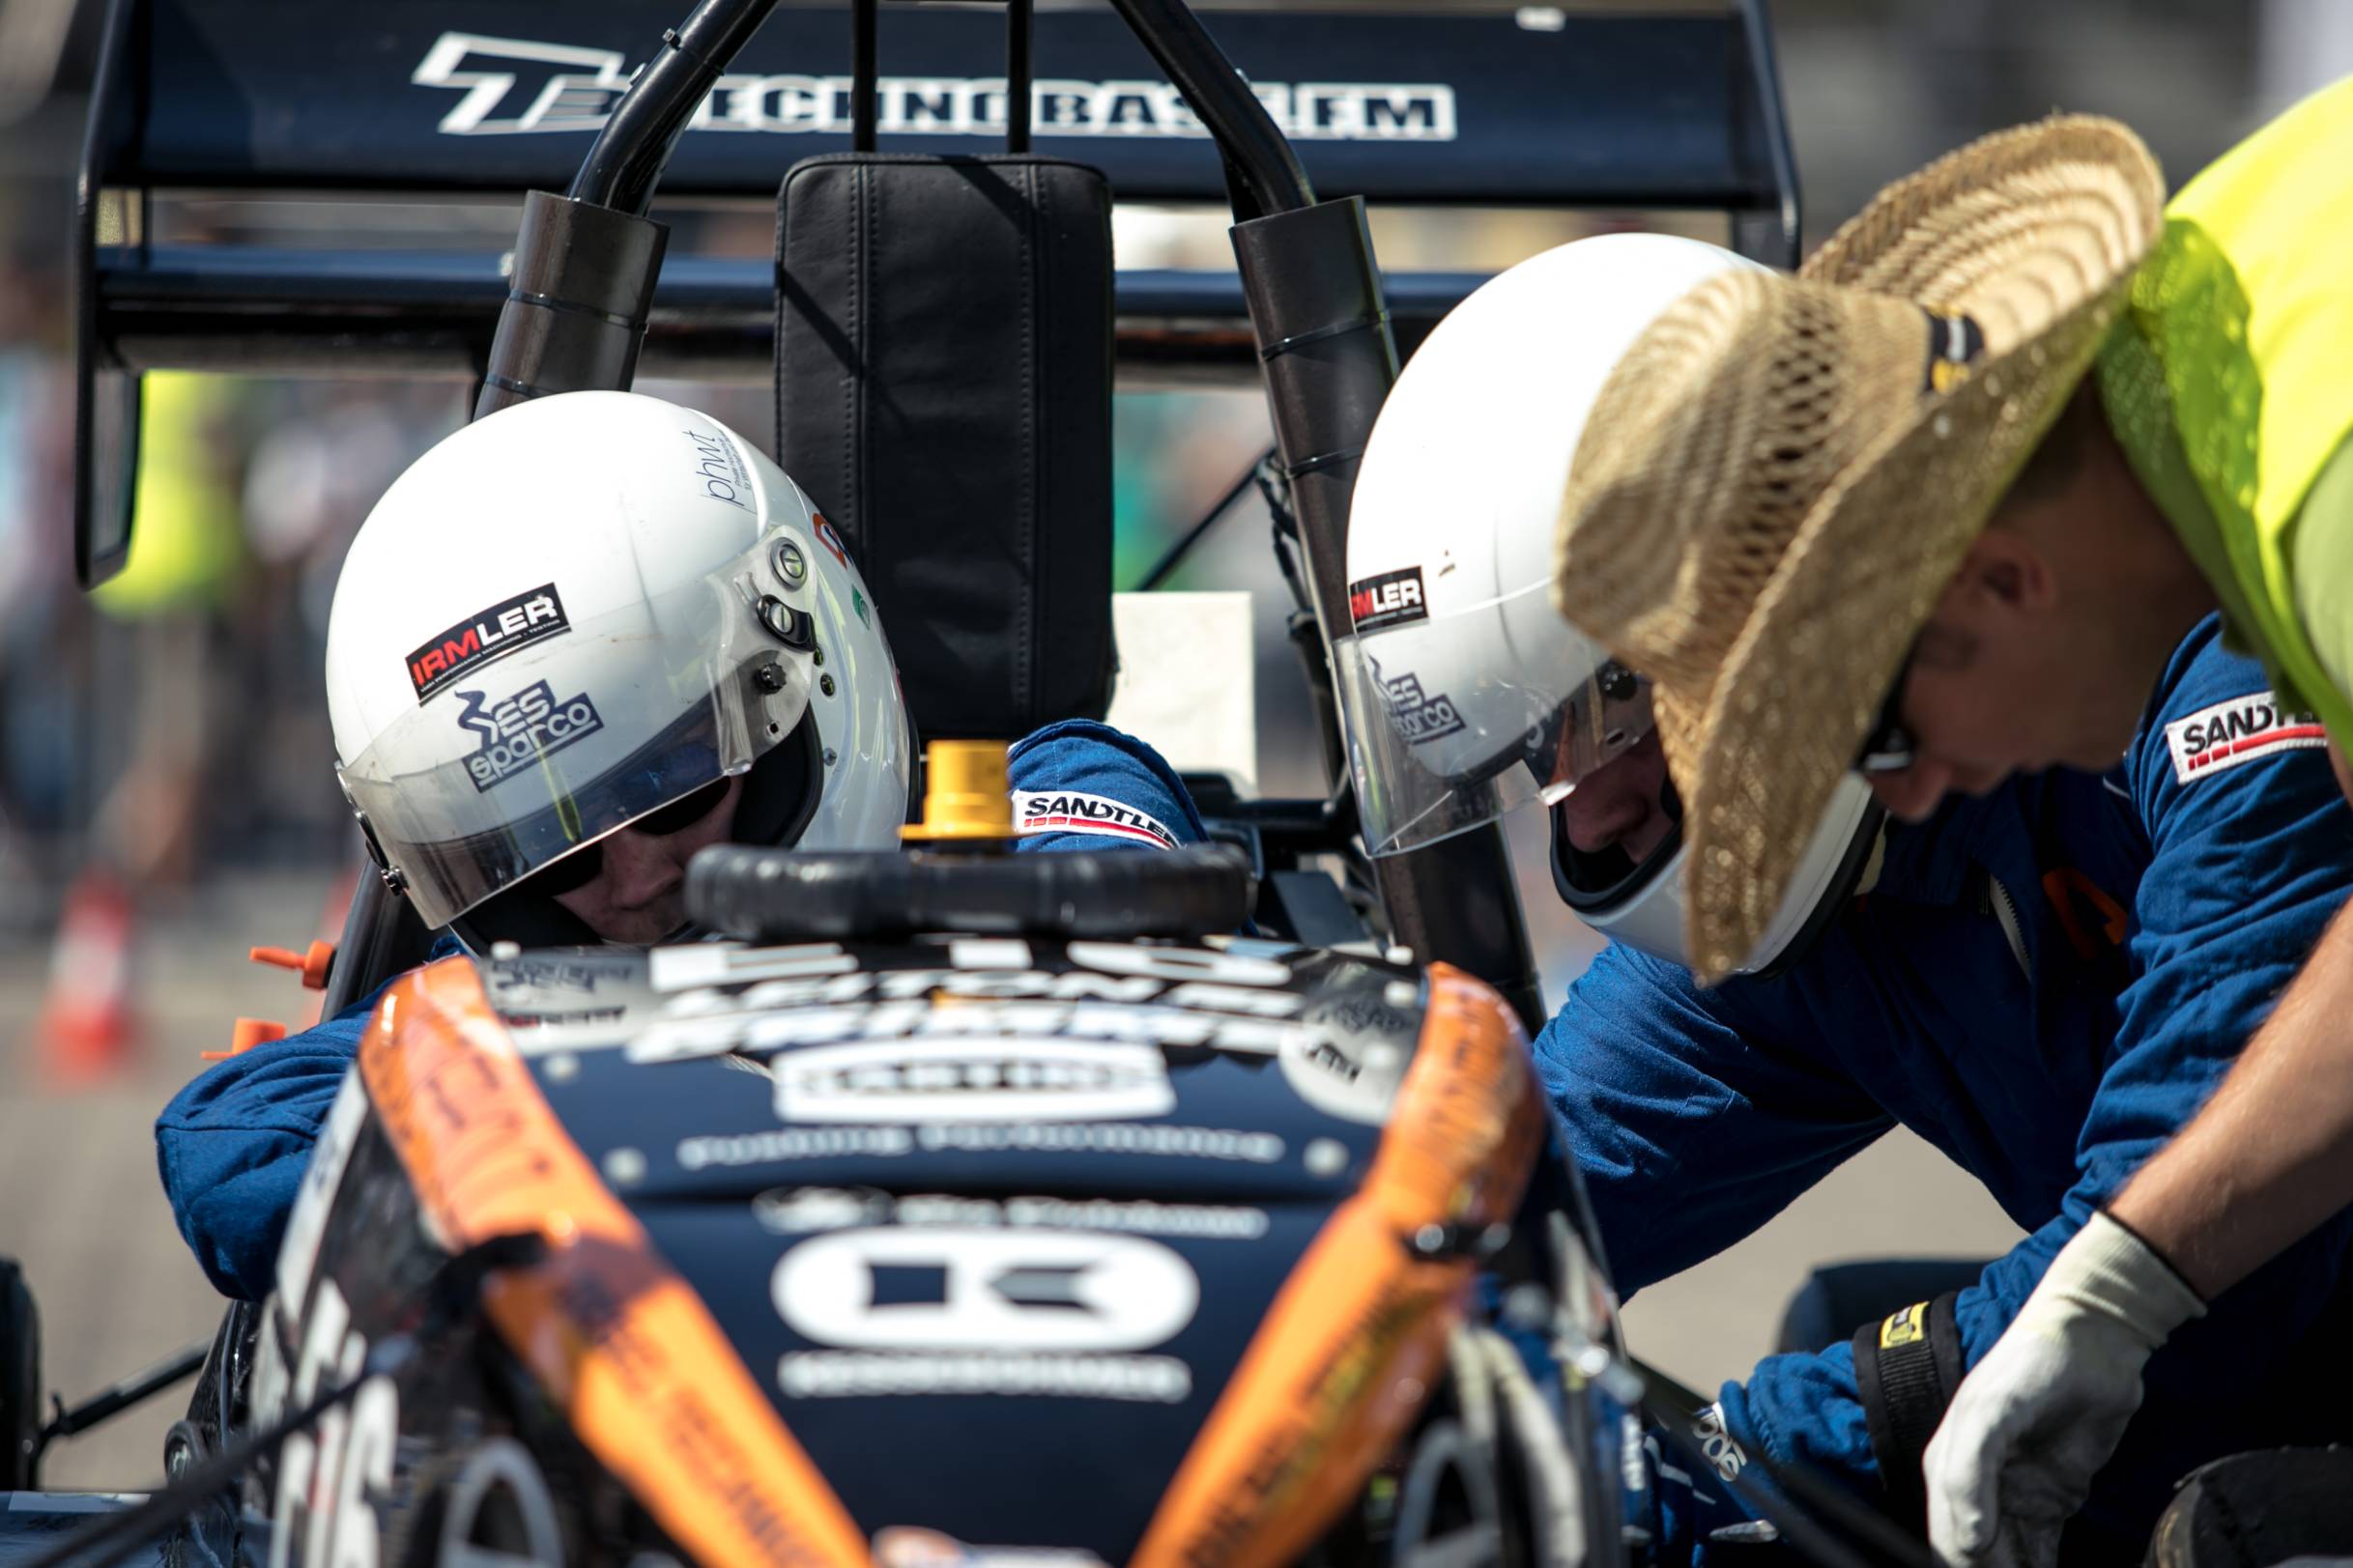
{"x":2251,"y":1510}
{"x":19,"y":1377}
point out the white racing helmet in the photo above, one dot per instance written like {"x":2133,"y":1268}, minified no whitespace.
{"x":1465,"y":694}
{"x":581,"y":610}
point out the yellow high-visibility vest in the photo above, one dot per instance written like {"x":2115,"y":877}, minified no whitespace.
{"x":2229,"y":384}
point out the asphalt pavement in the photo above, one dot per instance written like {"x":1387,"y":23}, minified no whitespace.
{"x":81,"y":1207}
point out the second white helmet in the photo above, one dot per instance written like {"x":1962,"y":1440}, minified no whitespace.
{"x":1466,"y":695}
{"x":577,"y":612}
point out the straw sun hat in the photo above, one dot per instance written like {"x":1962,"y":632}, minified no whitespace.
{"x":1782,"y":474}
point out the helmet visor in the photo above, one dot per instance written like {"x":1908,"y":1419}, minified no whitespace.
{"x":550,"y":750}
{"x":1439,"y":744}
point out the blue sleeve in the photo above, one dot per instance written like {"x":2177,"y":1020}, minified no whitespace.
{"x":1079,"y":784}
{"x":233,"y":1145}
{"x":2248,"y":863}
{"x":1690,"y":1131}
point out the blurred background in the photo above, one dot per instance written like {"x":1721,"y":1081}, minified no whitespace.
{"x":165,"y":793}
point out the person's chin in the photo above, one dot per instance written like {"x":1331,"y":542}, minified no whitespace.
{"x":643,"y":928}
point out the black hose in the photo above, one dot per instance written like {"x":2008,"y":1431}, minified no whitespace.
{"x":1175,"y":554}
{"x":450,"y":1297}
{"x":113,"y":1538}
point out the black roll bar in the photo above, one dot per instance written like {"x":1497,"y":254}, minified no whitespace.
{"x":626,"y":160}
{"x":583,"y":274}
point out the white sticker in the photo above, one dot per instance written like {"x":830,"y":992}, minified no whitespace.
{"x":903,"y":1546}
{"x":708,"y":963}
{"x":1068,"y":811}
{"x":306,"y":1222}
{"x":2243,"y":729}
{"x":933,"y":1081}
{"x":914,"y":1288}
{"x":1351,"y":1077}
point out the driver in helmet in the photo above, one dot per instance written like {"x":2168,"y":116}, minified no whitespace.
{"x":574,"y":643}
{"x":2045,"y":980}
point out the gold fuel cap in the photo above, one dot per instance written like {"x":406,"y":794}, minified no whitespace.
{"x":966,"y":794}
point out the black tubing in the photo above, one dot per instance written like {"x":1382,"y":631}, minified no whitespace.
{"x":1254,"y":147}
{"x":580,"y":293}
{"x":626,"y":161}
{"x":1323,"y":332}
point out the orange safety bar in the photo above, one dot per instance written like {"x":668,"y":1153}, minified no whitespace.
{"x":1337,"y":1372}
{"x":652,"y":1386}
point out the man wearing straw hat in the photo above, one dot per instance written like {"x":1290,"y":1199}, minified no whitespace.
{"x":1940,"y":509}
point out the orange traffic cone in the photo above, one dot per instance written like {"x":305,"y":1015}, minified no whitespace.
{"x":85,"y":1031}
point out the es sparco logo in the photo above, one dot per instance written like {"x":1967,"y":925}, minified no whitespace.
{"x":920,"y":1287}
{"x":1418,"y":715}
{"x":972,"y":1080}
{"x":1391,"y":599}
{"x":485,"y":637}
{"x":523,"y":730}
{"x":2243,"y":730}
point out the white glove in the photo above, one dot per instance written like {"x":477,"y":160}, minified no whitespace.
{"x":2033,"y":1422}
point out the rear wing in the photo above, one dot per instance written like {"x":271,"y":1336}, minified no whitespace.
{"x":437,"y":99}
{"x":443,"y":100}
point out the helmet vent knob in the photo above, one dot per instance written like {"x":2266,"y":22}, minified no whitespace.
{"x":789,"y":626}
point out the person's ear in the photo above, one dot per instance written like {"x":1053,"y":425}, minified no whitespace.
{"x":2004,"y":570}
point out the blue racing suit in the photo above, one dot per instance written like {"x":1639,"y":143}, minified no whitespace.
{"x":2158,"y":909}
{"x":233,"y":1145}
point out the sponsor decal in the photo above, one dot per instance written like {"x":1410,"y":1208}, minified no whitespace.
{"x":1390,"y":599}
{"x":1068,"y":811}
{"x":707,"y":965}
{"x":720,"y":469}
{"x":1349,"y":1056}
{"x":575,"y":1019}
{"x":1708,"y":1427}
{"x":857,"y":602}
{"x":754,"y":1032}
{"x":1155,"y":1139}
{"x":1352,"y":1079}
{"x":523,"y":730}
{"x":801,"y":1211}
{"x":579,"y":973}
{"x":486,"y":636}
{"x":959,"y":1310}
{"x":528,"y":86}
{"x":298,"y":1255}
{"x":901,"y":1288}
{"x":2243,"y":729}
{"x":1156,"y":1380}
{"x":903,"y":1546}
{"x":1418,"y":716}
{"x":330,"y":1475}
{"x":981,"y":1081}
{"x":831,"y":540}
